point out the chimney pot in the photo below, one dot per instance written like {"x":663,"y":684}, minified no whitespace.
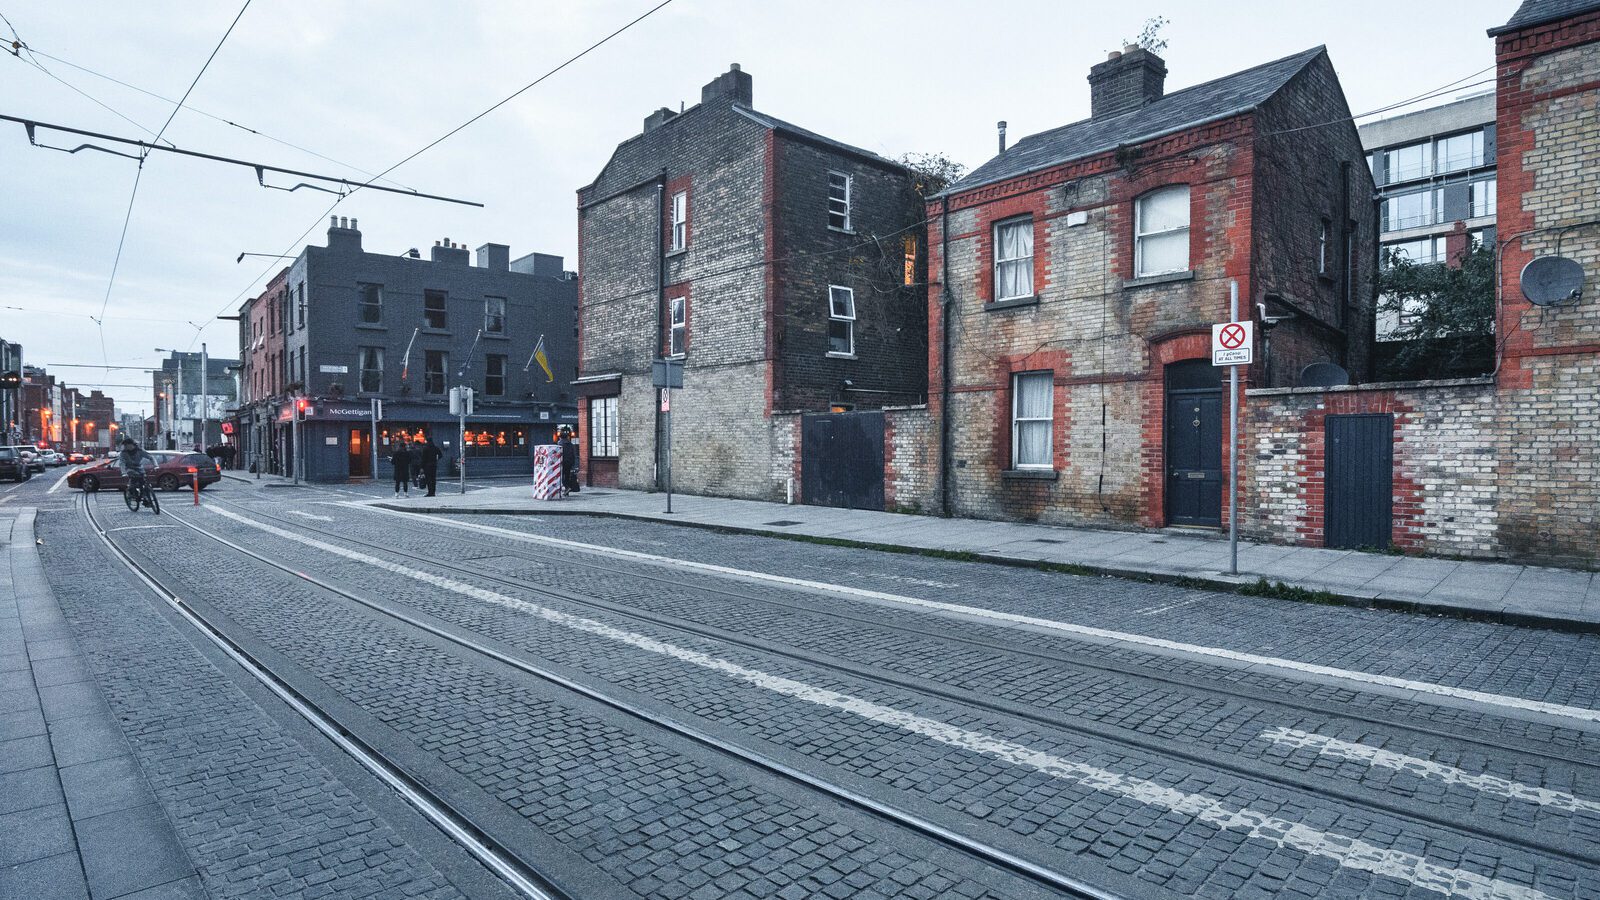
{"x":1001,"y":125}
{"x":1115,"y":54}
{"x":1129,"y":48}
{"x":353,"y":223}
{"x":333,"y":221}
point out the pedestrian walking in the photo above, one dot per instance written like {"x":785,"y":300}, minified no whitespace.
{"x":428,"y":456}
{"x":569,"y":460}
{"x":401,"y":459}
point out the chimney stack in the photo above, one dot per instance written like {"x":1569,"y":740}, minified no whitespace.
{"x":1128,"y":80}
{"x":342,"y":235}
{"x":733,"y":86}
{"x":1002,"y":126}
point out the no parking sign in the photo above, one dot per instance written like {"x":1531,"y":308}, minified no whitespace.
{"x":1232,"y":343}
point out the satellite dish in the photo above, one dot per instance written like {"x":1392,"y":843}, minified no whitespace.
{"x":1552,"y":280}
{"x":1323,"y":374}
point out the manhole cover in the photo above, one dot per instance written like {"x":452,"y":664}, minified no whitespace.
{"x":783,"y":522}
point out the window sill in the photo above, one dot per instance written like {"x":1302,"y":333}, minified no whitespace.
{"x":833,"y":355}
{"x":678,"y":252}
{"x":837,"y":230}
{"x":428,"y":330}
{"x":1166,"y":278}
{"x":372,"y":326}
{"x":1029,"y":475}
{"x":496,"y":337}
{"x":1325,"y":277}
{"x":1012,"y":302}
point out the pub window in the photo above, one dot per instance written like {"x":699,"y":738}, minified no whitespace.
{"x":602,"y":427}
{"x":507,"y":441}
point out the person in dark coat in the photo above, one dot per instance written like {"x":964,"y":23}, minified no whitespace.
{"x":428,"y":456}
{"x":401,"y":459}
{"x":569,"y":460}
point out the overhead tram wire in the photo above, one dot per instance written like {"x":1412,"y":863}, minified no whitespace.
{"x":1427,"y":95}
{"x":100,"y":321}
{"x":447,"y":135}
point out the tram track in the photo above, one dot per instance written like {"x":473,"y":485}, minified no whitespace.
{"x":1501,"y":833}
{"x":1056,"y":881}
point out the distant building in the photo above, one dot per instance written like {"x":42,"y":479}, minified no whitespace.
{"x":342,"y":327}
{"x":11,"y":397}
{"x":782,"y":267}
{"x":191,"y":413}
{"x":1436,"y":186}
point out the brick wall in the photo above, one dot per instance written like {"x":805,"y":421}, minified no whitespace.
{"x":1548,"y":158}
{"x":1445,"y":463}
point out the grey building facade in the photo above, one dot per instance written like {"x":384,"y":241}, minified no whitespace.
{"x":358,"y":327}
{"x":11,"y":394}
{"x":191,"y":414}
{"x":1436,"y":186}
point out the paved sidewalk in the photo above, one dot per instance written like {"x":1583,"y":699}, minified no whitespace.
{"x":1560,"y":598}
{"x":76,"y":816}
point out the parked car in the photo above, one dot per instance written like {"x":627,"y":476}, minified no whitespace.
{"x":51,"y":458}
{"x":12,"y":465}
{"x":30,"y":456}
{"x":171,"y":472}
{"x":78,"y":457}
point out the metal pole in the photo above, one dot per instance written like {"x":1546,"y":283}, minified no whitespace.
{"x":462,"y":446}
{"x":177,"y":432}
{"x":374,"y":441}
{"x":294,"y":437}
{"x":1233,"y":443}
{"x":205,"y":398}
{"x":668,"y":394}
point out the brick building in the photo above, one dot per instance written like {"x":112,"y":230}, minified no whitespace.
{"x":1081,"y":271}
{"x":1502,"y":466}
{"x":775,"y":263}
{"x":342,"y":326}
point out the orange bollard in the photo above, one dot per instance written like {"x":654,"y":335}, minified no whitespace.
{"x":194,"y":479}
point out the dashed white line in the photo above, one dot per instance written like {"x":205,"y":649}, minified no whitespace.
{"x":1289,"y":666}
{"x":1423,"y":768}
{"x":306,"y":515}
{"x":60,"y":483}
{"x":138,"y":527}
{"x":1349,"y":852}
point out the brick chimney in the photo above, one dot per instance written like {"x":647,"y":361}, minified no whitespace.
{"x":732,"y":86}
{"x":343,"y":235}
{"x":659,"y":118}
{"x":1129,"y":79}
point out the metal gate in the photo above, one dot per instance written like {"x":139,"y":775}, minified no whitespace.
{"x":1358,"y":489}
{"x":841,"y":460}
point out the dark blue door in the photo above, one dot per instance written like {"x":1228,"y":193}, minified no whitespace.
{"x":1194,"y":444}
{"x":1358,"y":489}
{"x":841,"y":460}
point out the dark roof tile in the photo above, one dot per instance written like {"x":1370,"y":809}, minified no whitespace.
{"x":1230,"y":94}
{"x":1538,"y":12}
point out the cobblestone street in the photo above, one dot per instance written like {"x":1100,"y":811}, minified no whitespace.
{"x":293,"y":692}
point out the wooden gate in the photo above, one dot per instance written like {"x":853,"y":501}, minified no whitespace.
{"x":1358,"y":488}
{"x":841,"y":460}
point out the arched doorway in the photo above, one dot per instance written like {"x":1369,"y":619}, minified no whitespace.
{"x":1194,"y":443}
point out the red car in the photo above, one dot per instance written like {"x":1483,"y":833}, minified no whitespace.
{"x":172,"y":471}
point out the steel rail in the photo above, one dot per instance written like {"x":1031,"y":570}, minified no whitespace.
{"x":1080,"y":661}
{"x":1158,"y":747}
{"x":435,"y":809}
{"x":911,"y":821}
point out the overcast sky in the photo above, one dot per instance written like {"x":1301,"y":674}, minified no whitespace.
{"x":368,"y":83}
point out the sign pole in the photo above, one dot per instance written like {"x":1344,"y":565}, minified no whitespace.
{"x":461,"y":447}
{"x":1233,"y":443}
{"x":668,"y":404}
{"x":377,"y":413}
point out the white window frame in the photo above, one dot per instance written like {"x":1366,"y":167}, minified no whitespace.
{"x":603,"y":427}
{"x":846,"y":315}
{"x":363,"y":305}
{"x":1140,"y":234}
{"x":361,"y":364}
{"x":496,"y":318}
{"x":849,"y":186}
{"x":678,"y":326}
{"x":1322,"y":247}
{"x":1026,"y":223}
{"x":680,"y":220}
{"x":1017,"y":421}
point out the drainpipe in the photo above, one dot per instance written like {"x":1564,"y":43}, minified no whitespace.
{"x":944,"y":355}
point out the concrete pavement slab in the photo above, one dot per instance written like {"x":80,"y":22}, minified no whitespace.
{"x":130,"y":850}
{"x":29,"y":789}
{"x":60,"y":670}
{"x":69,"y":701}
{"x":34,"y":834}
{"x":25,"y":722}
{"x":25,"y":753}
{"x":58,"y":877}
{"x":104,"y":785}
{"x":182,"y":889}
{"x":51,"y":649}
{"x":85,"y":739}
{"x":13,"y":662}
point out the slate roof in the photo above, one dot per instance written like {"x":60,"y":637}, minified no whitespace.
{"x":777,"y":124}
{"x":1230,"y":94}
{"x":1538,"y":12}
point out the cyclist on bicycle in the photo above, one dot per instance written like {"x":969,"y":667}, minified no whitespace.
{"x":132,"y":461}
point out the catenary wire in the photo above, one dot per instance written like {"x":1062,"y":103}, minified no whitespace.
{"x":436,"y":142}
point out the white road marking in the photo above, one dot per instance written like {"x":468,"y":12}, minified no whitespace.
{"x":6,"y":499}
{"x":137,"y":527}
{"x":60,"y":483}
{"x":1350,"y":852}
{"x":1282,"y":666}
{"x":1422,"y":768}
{"x":306,"y":515}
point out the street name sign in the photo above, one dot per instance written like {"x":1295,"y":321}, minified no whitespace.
{"x":1232,"y":343}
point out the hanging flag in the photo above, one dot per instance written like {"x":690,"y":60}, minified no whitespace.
{"x":544,"y":361}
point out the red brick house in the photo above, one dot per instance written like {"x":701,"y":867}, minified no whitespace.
{"x":1077,"y":274}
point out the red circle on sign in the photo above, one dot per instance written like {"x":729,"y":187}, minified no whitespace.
{"x":1232,"y":337}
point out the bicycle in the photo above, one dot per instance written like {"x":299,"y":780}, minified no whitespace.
{"x":139,"y":493}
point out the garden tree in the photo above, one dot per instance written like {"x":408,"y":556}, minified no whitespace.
{"x":1446,"y":314}
{"x":1150,"y":38}
{"x":931,"y":172}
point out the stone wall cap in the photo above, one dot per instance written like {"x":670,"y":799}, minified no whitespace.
{"x":1477,"y":381}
